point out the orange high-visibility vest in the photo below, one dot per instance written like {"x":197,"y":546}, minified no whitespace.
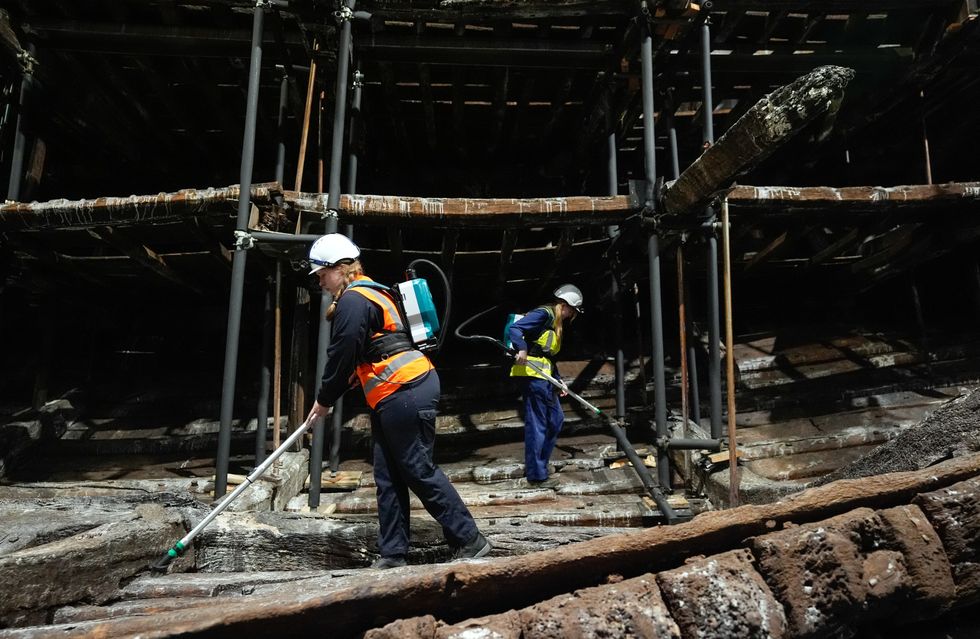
{"x":380,"y":379}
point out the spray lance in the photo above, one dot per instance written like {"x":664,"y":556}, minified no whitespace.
{"x":615,"y":425}
{"x":181,"y":546}
{"x":413,"y":299}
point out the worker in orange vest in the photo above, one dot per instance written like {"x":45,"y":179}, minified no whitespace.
{"x":401,"y":386}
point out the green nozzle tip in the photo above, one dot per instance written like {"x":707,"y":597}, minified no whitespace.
{"x":172,"y":553}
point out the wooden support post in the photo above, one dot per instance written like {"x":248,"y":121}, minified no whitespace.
{"x":311,"y":81}
{"x":682,"y":324}
{"x":733,"y":494}
{"x":277,"y":361}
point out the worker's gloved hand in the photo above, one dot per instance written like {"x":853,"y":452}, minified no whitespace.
{"x":521,"y":358}
{"x":318,"y":410}
{"x":563,"y":391}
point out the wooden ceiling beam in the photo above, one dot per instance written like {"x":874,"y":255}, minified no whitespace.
{"x":131,"y":38}
{"x":462,"y":52}
{"x":142,"y":255}
{"x":909,"y":201}
{"x":830,"y":6}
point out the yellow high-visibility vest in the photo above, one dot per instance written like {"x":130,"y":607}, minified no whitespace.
{"x":550,"y":343}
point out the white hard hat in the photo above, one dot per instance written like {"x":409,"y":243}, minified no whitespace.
{"x":572,"y":295}
{"x":331,"y":249}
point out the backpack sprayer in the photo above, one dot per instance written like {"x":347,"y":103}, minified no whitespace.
{"x":413,"y":298}
{"x":615,"y":425}
{"x":418,"y":313}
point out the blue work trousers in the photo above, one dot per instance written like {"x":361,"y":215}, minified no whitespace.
{"x":543,"y":419}
{"x":403,"y":426}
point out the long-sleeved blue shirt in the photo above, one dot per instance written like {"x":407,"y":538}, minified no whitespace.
{"x":355,"y":320}
{"x":528,"y":329}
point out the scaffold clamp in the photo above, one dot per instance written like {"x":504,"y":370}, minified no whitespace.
{"x":344,"y":14}
{"x":243,"y":240}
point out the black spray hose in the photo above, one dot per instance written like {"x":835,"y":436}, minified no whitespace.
{"x":483,"y":338}
{"x":649,"y":483}
{"x":445,"y":287}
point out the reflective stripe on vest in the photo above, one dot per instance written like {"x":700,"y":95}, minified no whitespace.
{"x":550,"y":343}
{"x":380,"y":379}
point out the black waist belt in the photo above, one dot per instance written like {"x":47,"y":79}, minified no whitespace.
{"x":384,"y":346}
{"x":535,"y":350}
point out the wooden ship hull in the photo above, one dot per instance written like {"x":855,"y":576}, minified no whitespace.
{"x":798,"y":295}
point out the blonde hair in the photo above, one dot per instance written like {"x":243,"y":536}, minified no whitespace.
{"x":351,"y":271}
{"x":559,"y":319}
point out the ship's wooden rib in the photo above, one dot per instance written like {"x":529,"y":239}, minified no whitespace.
{"x":765,"y":127}
{"x":459,"y":591}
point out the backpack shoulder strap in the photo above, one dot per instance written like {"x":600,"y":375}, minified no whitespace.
{"x":369,"y":284}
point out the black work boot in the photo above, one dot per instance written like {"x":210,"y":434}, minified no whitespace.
{"x":383,"y":563}
{"x":476,"y":548}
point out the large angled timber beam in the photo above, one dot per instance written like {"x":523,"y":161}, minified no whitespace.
{"x":764,"y":128}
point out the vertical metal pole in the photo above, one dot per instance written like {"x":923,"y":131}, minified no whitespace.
{"x":340,"y":109}
{"x":714,"y":320}
{"x":238,"y":263}
{"x":333,"y":202}
{"x":352,"y":157}
{"x":714,"y":333}
{"x":316,"y":449}
{"x":675,"y":164}
{"x":653,"y":252}
{"x":708,"y":106}
{"x":270,"y":325}
{"x":265,"y":375}
{"x":20,"y":137}
{"x":613,"y":231}
{"x":281,"y":129}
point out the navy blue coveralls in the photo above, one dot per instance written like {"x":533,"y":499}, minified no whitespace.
{"x":543,"y":416}
{"x":403,"y":433}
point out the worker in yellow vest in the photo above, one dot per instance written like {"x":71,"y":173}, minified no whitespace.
{"x":369,"y":340}
{"x":537,"y":339}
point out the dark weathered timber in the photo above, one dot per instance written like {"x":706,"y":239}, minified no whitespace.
{"x":827,"y":6}
{"x":524,"y":9}
{"x":135,"y":209}
{"x":354,"y":209}
{"x":473,"y":212}
{"x":87,"y":566}
{"x":766,"y":126}
{"x":478,"y":588}
{"x":826,"y":201}
{"x":141,"y":254}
